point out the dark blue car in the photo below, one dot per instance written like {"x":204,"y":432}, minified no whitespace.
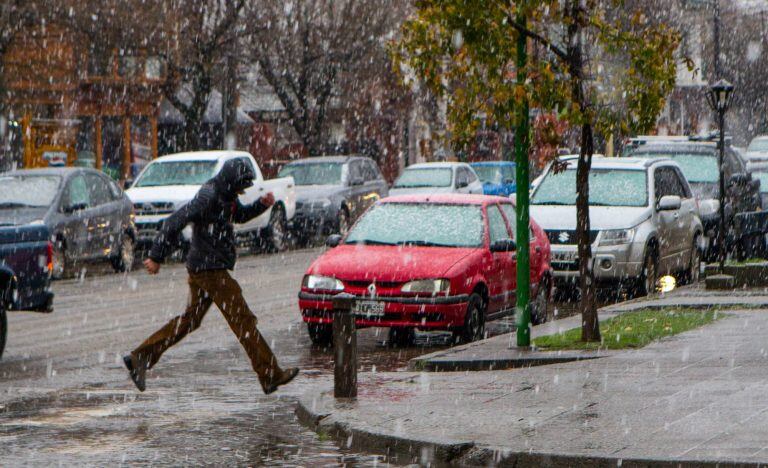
{"x":26,"y":258}
{"x":498,"y":177}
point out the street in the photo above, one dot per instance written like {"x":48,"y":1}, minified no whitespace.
{"x":66,"y":397}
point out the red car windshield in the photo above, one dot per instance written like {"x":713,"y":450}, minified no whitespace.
{"x":420,"y":224}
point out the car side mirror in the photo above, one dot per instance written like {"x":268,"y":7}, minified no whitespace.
{"x":356,"y":181}
{"x":333,"y":240}
{"x":127,"y":184}
{"x":462,"y":184}
{"x":669,"y":203}
{"x":74,"y":207}
{"x":504,"y":245}
{"x":509,"y":181}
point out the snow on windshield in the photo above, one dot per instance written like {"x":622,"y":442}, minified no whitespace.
{"x":607,"y":187}
{"x":420,"y":224}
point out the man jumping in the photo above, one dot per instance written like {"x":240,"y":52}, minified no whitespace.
{"x":211,"y":255}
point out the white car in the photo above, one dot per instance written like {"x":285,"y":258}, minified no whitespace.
{"x":169,"y":182}
{"x":437,"y":177}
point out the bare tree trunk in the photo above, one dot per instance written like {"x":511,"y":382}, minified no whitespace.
{"x":590,"y":325}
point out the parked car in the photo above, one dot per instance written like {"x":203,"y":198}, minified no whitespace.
{"x":26,"y":256}
{"x":88,"y":215}
{"x":169,"y":182}
{"x":644,"y":222}
{"x":757,"y":151}
{"x":437,"y":177}
{"x":699,"y":162}
{"x":428,"y":262}
{"x":497,"y":177}
{"x":332,"y":192}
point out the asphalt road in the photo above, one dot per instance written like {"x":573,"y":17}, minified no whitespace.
{"x":65,"y":397}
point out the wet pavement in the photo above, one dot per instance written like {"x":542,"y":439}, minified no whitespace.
{"x":66,"y":399}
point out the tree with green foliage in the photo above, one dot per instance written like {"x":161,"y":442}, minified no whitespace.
{"x":604,"y":69}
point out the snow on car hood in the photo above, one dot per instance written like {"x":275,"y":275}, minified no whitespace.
{"x":419,"y":190}
{"x":177,"y":194}
{"x":600,"y":217}
{"x":388,"y":263}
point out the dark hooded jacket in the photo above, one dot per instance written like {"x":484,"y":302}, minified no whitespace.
{"x":211,"y":212}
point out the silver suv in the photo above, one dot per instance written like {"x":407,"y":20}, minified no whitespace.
{"x":644,"y":222}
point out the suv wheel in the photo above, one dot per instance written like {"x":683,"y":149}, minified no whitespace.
{"x":694,"y":269}
{"x":650,"y":275}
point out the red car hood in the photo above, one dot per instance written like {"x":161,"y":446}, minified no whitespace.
{"x":388,"y":264}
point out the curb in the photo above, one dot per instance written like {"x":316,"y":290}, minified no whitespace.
{"x":433,"y":453}
{"x":460,"y":365}
{"x":399,"y":449}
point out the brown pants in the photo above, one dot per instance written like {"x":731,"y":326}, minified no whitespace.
{"x":205,"y":288}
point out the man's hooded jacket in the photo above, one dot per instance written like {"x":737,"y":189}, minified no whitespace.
{"x":211,"y":212}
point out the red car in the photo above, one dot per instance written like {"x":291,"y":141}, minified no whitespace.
{"x":428,"y":262}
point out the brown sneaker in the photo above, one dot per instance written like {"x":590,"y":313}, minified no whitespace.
{"x":285,"y":377}
{"x":136,"y":371}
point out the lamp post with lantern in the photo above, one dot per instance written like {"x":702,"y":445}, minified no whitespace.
{"x":719,"y":98}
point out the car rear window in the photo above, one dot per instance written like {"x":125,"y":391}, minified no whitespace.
{"x":425,"y":177}
{"x":23,"y":191}
{"x":159,"y":174}
{"x":424,"y":224}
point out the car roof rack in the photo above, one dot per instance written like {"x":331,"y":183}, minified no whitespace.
{"x":705,"y":138}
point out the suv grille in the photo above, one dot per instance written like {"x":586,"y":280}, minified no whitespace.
{"x":567,"y":237}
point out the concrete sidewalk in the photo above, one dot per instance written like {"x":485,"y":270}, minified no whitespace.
{"x":699,"y":398}
{"x":501,"y":352}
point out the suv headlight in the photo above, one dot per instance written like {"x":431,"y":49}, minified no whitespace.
{"x":325,"y":283}
{"x":431,"y":286}
{"x":617,"y":237}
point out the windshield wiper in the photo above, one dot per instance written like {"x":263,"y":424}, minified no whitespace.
{"x":369,"y":242}
{"x":422,"y":243}
{"x":15,"y":205}
{"x":415,"y":186}
{"x":557,"y":203}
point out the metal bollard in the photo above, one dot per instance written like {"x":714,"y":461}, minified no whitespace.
{"x":345,"y":347}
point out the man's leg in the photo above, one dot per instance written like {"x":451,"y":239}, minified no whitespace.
{"x":149,"y":352}
{"x":228,"y":296}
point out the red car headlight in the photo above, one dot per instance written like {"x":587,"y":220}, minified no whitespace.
{"x":322,"y":283}
{"x":430,"y":286}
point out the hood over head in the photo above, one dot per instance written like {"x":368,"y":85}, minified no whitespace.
{"x":234,"y":177}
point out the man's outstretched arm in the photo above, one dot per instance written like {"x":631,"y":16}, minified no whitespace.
{"x":244,"y":213}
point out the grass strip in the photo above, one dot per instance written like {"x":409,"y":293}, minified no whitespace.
{"x":632,"y":330}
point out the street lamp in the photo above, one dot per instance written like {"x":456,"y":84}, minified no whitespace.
{"x":719,"y":98}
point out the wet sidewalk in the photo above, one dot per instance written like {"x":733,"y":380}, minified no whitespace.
{"x":697,"y":398}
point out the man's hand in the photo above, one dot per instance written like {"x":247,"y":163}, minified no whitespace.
{"x":267,"y":200}
{"x":152,"y":266}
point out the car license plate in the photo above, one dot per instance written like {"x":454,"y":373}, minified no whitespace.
{"x":567,"y":256}
{"x":368,"y":309}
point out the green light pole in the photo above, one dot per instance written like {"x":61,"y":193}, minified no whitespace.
{"x":522,"y":144}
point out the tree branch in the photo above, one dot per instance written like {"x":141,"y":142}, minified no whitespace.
{"x":560,"y":53}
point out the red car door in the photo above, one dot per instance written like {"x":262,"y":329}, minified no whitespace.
{"x":502,"y":269}
{"x":538,"y":250}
